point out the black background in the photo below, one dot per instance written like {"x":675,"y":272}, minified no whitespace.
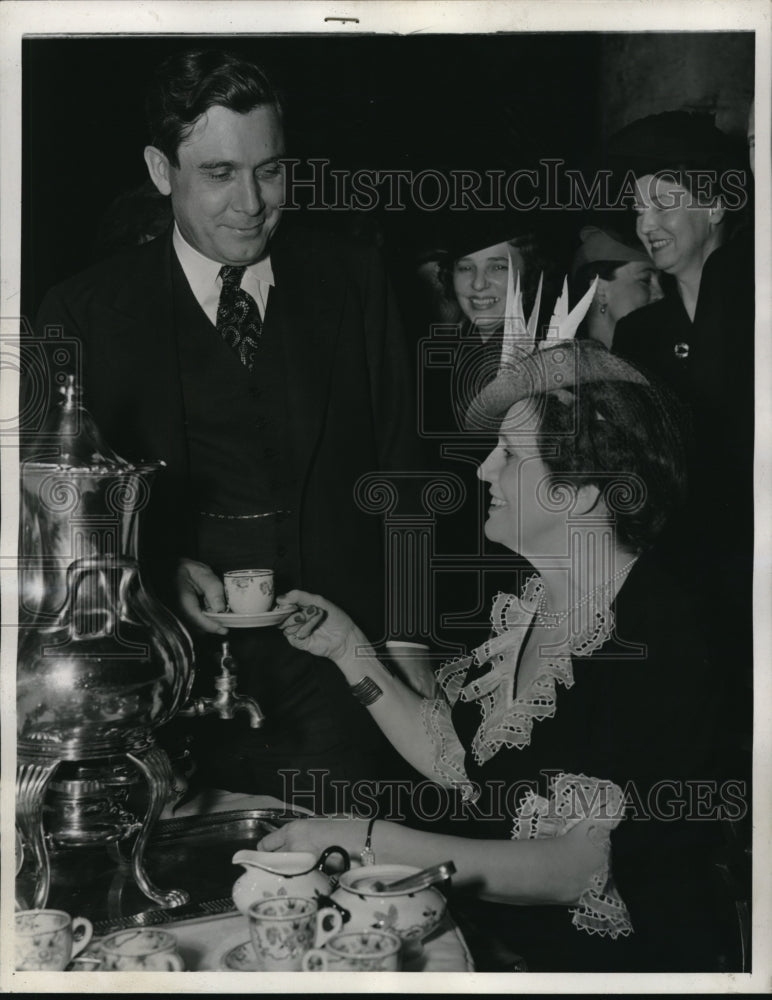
{"x":480,"y":101}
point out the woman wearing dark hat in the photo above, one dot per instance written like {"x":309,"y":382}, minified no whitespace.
{"x":692,"y":197}
{"x":478,"y":253}
{"x":473,"y":268}
{"x":690,"y":202}
{"x":567,"y":742}
{"x":628,"y":280}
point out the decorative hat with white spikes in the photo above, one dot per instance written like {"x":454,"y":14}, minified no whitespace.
{"x":531,"y":368}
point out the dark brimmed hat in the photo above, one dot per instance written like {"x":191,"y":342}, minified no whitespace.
{"x":467,"y":232}
{"x":565,"y":364}
{"x":605,"y":244}
{"x":673,"y":140}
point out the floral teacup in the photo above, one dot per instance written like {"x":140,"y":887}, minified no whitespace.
{"x":140,"y":951}
{"x":284,"y":928}
{"x":49,"y":939}
{"x":364,"y":951}
{"x":249,"y":591}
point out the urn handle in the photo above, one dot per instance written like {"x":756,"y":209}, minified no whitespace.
{"x":105,"y":596}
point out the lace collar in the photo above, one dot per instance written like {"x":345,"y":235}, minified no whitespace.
{"x":508,"y":720}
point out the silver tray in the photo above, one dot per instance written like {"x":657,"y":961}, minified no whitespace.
{"x":192,"y":853}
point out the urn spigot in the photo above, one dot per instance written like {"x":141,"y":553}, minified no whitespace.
{"x":227,"y":702}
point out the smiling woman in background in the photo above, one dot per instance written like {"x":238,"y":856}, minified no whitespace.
{"x":473,"y":269}
{"x":693,"y":200}
{"x":692,"y":197}
{"x":479,"y":280}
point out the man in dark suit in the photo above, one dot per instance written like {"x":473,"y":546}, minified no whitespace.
{"x":265,"y":365}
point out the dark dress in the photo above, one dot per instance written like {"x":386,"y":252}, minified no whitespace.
{"x":644,"y":711}
{"x":709,"y":363}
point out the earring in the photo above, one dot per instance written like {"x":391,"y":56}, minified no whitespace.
{"x":603,"y":308}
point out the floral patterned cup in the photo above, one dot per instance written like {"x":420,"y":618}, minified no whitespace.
{"x":249,"y":591}
{"x":411,"y":915}
{"x":367,"y":951}
{"x":284,"y":928}
{"x":49,"y":939}
{"x":140,"y":951}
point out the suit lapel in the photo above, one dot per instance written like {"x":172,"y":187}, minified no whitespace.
{"x":304,"y":310}
{"x":142,"y":316}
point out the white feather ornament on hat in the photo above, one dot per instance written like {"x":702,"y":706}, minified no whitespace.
{"x":564,"y":324}
{"x":558,"y":362}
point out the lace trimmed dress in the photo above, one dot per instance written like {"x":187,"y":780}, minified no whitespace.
{"x":626,"y":726}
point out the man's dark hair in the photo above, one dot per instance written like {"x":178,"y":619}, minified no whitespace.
{"x":626,"y":439}
{"x":189,"y":83}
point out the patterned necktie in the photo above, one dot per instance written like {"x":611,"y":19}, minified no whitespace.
{"x":238,"y":318}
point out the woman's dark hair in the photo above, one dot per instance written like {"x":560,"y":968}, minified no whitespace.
{"x":584,"y":277}
{"x":629,"y":440}
{"x":189,"y":83}
{"x":586,"y":274}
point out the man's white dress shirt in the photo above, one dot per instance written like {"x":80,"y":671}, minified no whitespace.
{"x":203,"y":277}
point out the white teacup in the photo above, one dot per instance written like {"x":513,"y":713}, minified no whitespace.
{"x":249,"y":591}
{"x":49,"y":939}
{"x":284,"y":928}
{"x":138,"y":950}
{"x":356,"y":951}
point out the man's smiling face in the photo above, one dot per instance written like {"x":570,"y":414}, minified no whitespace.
{"x":228,"y":189}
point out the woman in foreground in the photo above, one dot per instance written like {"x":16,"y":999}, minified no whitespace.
{"x":577,"y":734}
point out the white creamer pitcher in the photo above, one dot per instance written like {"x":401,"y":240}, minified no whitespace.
{"x":282,"y":873}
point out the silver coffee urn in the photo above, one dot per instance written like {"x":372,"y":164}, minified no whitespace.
{"x":101,"y":662}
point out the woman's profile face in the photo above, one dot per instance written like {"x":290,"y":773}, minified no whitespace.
{"x":519,"y":515}
{"x":480,"y":283}
{"x":633,"y":286}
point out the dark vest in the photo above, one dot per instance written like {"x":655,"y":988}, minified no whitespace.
{"x":241,"y":472}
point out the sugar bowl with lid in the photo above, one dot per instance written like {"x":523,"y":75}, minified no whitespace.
{"x":410,"y":914}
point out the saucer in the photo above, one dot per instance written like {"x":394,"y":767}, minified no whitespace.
{"x":240,"y":959}
{"x":229,"y":620}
